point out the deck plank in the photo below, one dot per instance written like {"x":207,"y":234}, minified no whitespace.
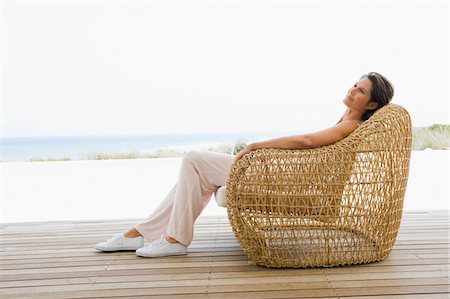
{"x":56,"y":260}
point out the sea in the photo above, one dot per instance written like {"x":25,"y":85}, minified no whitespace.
{"x":22,"y":149}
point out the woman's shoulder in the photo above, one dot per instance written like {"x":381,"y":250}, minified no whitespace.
{"x":346,"y":127}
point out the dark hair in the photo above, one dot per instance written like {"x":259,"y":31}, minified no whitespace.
{"x":382,"y":92}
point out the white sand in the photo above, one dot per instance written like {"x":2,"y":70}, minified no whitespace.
{"x":85,"y":190}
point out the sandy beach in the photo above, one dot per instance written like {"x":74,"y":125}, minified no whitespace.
{"x":111,"y":189}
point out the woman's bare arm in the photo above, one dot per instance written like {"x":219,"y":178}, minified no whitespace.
{"x":304,"y":141}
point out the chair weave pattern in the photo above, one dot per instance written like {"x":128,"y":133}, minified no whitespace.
{"x":335,"y":205}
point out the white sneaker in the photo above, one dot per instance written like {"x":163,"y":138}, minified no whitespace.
{"x":120,"y":242}
{"x":161,"y":248}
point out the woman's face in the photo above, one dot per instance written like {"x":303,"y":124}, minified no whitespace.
{"x":358,"y":96}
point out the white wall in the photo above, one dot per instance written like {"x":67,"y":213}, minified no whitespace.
{"x":47,"y":191}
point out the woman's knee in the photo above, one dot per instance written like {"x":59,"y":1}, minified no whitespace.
{"x":193,"y":156}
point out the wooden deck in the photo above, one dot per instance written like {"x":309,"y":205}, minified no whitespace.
{"x":57,"y":260}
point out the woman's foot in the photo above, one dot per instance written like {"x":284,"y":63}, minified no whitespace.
{"x":165,"y":246}
{"x":120,"y":242}
{"x":132,"y":233}
{"x":171,"y":240}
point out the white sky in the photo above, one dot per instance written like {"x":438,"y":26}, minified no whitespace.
{"x":142,"y":67}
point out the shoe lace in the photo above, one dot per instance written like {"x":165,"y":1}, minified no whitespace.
{"x":115,"y":236}
{"x":159,"y":241}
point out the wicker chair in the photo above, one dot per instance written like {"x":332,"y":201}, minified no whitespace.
{"x":335,"y":205}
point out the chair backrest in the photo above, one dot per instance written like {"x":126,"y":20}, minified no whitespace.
{"x":373,"y":196}
{"x":371,"y":164}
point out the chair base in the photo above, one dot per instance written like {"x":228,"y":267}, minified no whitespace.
{"x":314,"y":246}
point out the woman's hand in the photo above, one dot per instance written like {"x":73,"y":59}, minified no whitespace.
{"x":246,"y":150}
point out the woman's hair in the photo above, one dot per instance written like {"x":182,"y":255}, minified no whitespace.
{"x":382,"y":92}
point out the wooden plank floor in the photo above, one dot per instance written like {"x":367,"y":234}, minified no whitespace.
{"x":57,"y":260}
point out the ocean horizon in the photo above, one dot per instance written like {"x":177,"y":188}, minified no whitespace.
{"x":21,"y":149}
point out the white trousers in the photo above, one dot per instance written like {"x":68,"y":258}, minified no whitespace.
{"x":201,"y":174}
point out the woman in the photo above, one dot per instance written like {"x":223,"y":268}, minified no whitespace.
{"x":170,"y":227}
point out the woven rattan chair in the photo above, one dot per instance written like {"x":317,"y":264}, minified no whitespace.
{"x":335,"y":205}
